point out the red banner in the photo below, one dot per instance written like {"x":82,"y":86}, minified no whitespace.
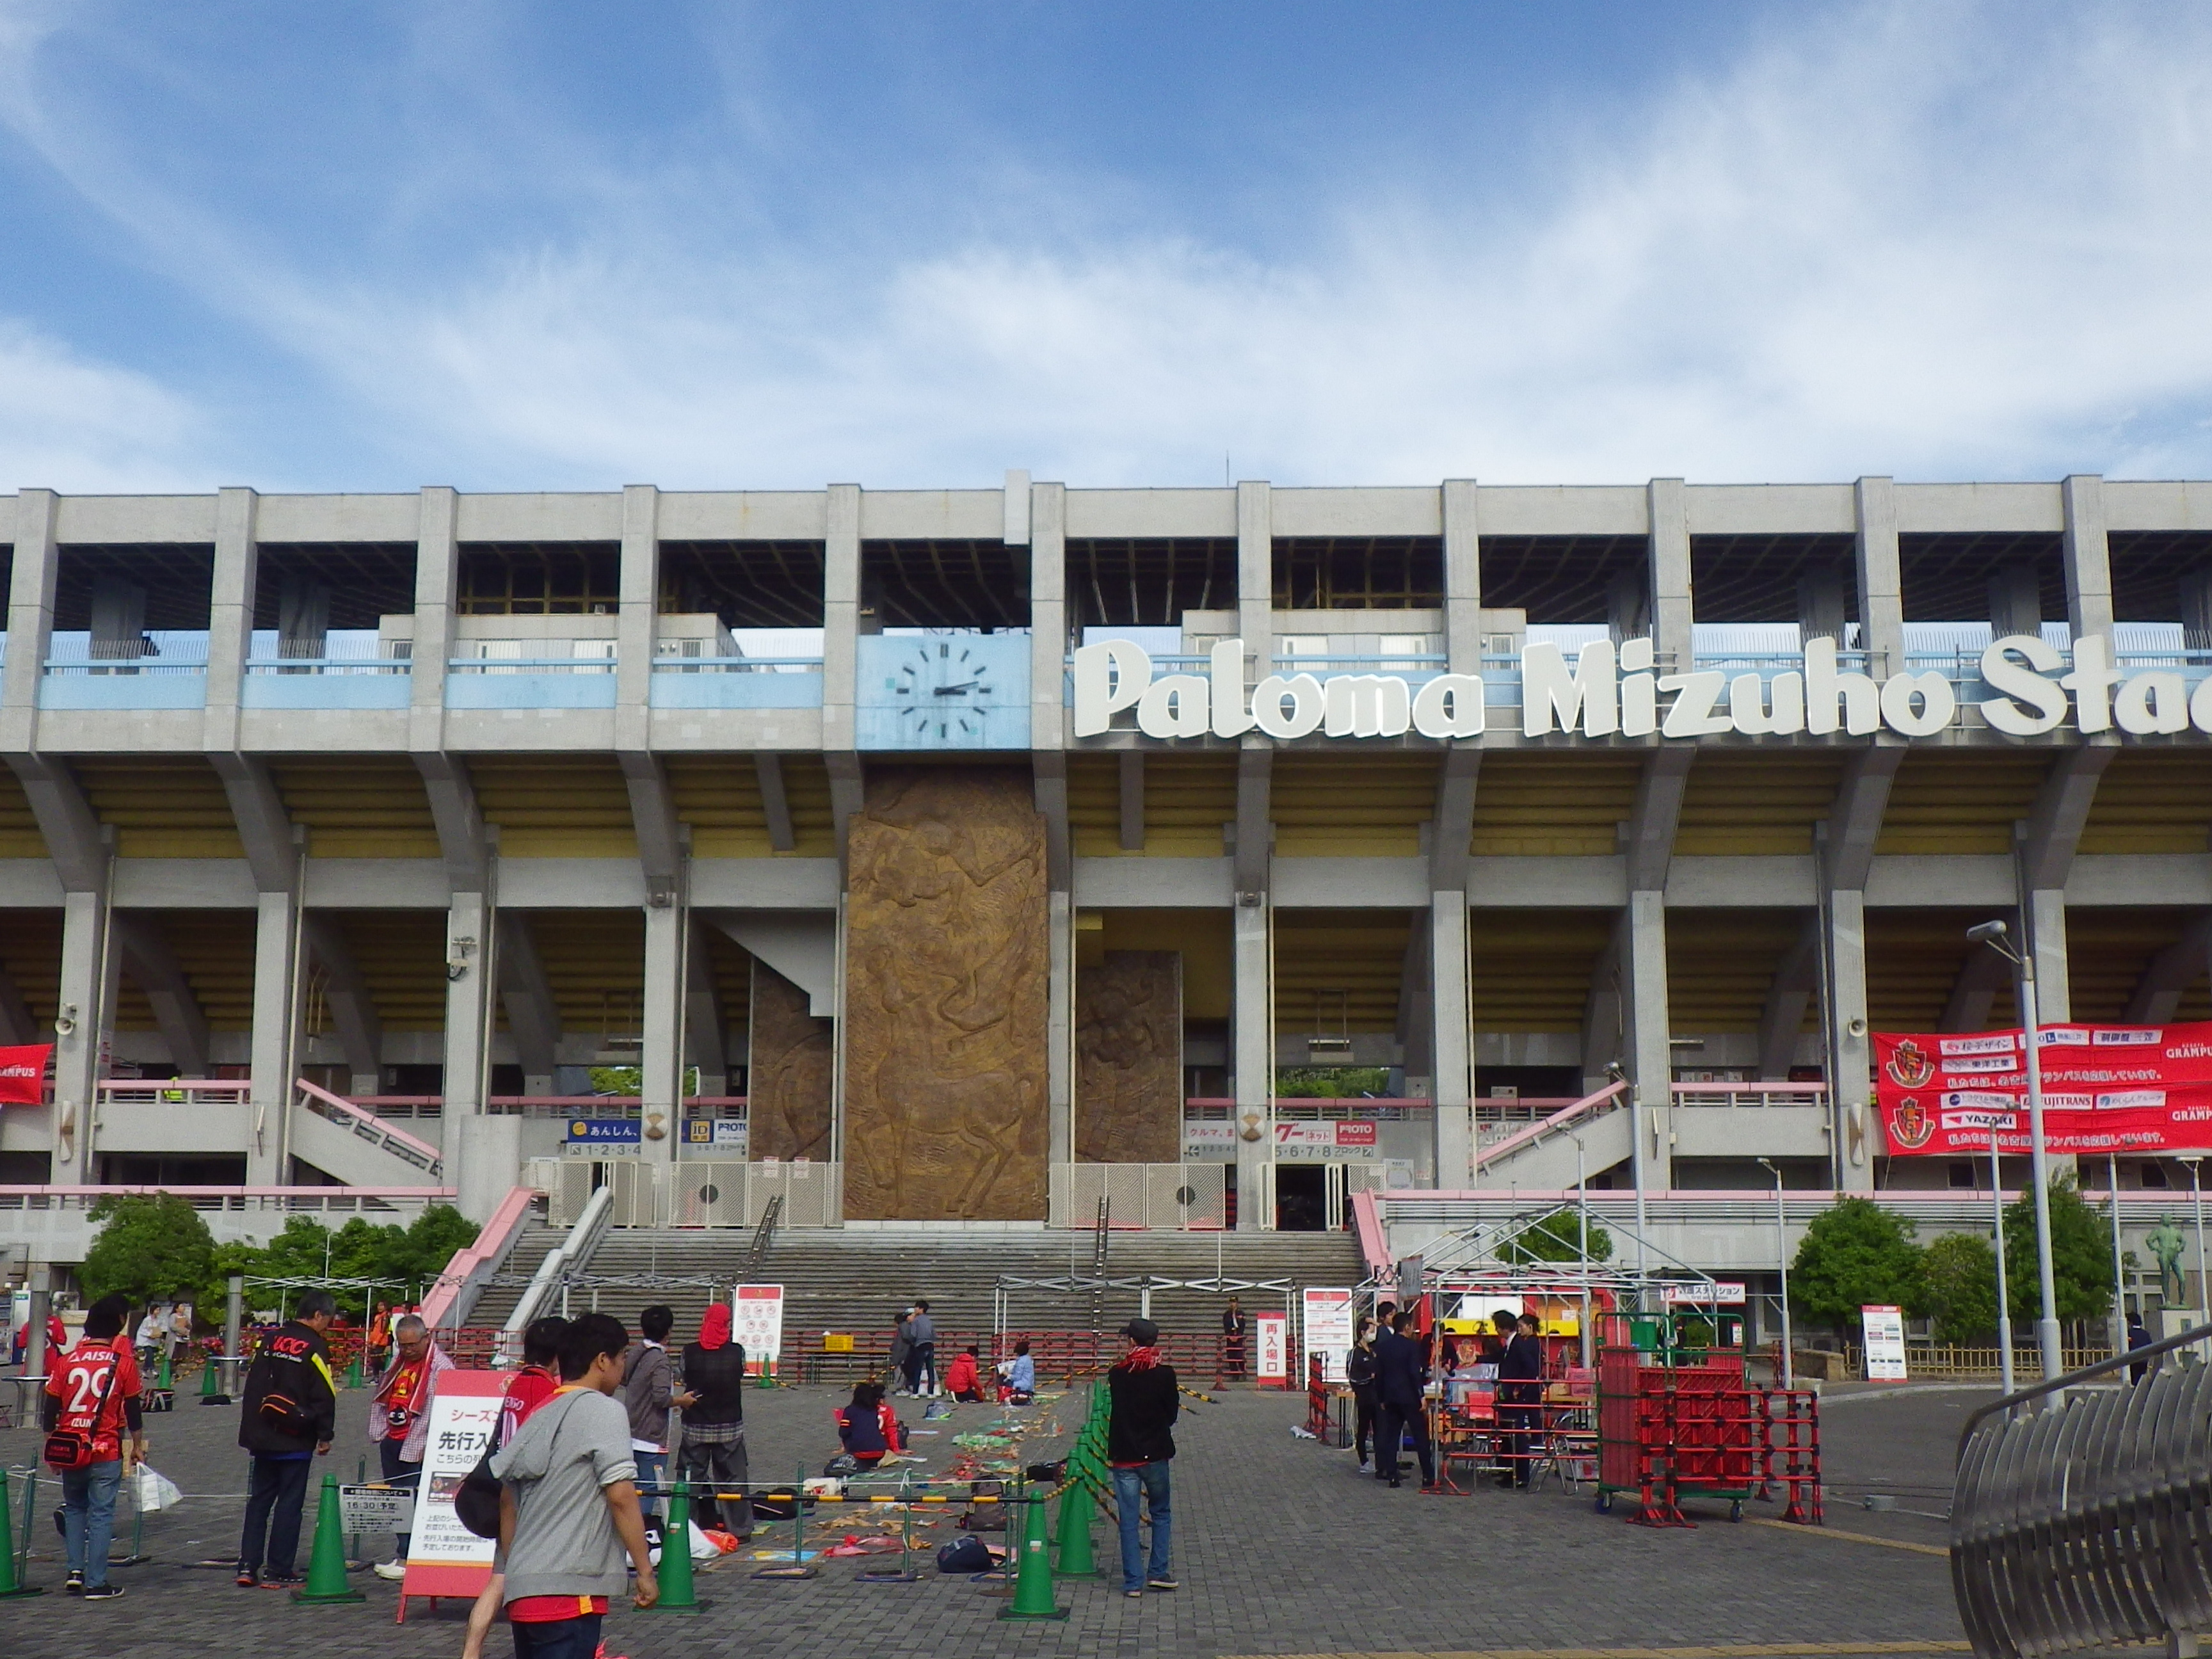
{"x":2105,"y":1089}
{"x":23,"y":1074}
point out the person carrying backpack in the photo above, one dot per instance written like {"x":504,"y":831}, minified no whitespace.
{"x":289,"y":1417}
{"x":91,"y":1395}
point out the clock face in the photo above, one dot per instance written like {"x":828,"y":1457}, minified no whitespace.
{"x":941,"y":690}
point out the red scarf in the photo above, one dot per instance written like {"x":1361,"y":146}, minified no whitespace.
{"x":1141,"y":1360}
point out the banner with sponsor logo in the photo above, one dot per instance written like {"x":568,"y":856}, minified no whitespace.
{"x":2105,"y":1089}
{"x":1326,"y":1143}
{"x":23,"y":1074}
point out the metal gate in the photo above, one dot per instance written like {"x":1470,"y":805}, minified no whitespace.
{"x":2083,"y":1525}
{"x":1165,"y":1197}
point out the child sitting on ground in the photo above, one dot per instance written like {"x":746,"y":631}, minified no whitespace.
{"x":868,"y":1428}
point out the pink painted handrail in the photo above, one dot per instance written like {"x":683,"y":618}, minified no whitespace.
{"x":129,"y":1189}
{"x":1536,"y":1132}
{"x":490,"y":1244}
{"x":1374,"y":1245}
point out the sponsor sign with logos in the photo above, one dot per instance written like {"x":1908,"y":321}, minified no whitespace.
{"x":2105,"y":1089}
{"x":1885,"y":1343}
{"x":717,"y":1137}
{"x":1326,"y":1143}
{"x":604,"y":1137}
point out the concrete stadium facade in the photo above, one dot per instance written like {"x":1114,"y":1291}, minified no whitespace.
{"x":369,"y":825}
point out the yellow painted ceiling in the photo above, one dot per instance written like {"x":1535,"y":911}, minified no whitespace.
{"x":555,"y":806}
{"x":2106,"y":953}
{"x":1338,"y":805}
{"x":595,"y":960}
{"x":1553,"y":803}
{"x":1756,"y":800}
{"x":162,"y":806}
{"x":30,"y":956}
{"x":366,"y":806}
{"x":402,"y":955}
{"x":1913,"y":959}
{"x":1338,"y":970}
{"x":2152,"y":800}
{"x":19,"y":830}
{"x":1949,"y":800}
{"x":1531,"y":969}
{"x":1202,"y":937}
{"x":1720,"y":967}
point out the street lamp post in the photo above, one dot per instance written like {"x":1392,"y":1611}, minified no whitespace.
{"x":2197,"y":1204}
{"x":1992,"y":934}
{"x":2004,"y":1301}
{"x":2119,"y":1272}
{"x":1582,"y":1219}
{"x":1782,"y":1259}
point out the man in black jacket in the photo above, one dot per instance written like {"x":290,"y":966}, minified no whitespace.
{"x":1519,"y":1396}
{"x":1401,"y":1373}
{"x":1138,"y":1445}
{"x":289,"y":1416}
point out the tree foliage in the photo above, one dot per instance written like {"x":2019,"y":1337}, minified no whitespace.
{"x":152,"y":1248}
{"x":1557,"y":1237}
{"x":1960,"y":1270}
{"x":403,"y":1259}
{"x":1854,"y":1254}
{"x":1330,"y":1082}
{"x":2080,"y":1256}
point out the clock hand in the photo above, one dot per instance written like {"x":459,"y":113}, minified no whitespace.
{"x":954,"y":690}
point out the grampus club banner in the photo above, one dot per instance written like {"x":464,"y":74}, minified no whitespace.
{"x":2105,"y":1089}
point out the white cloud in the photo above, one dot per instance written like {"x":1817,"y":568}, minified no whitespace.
{"x":1940,"y":243}
{"x":73,"y":426}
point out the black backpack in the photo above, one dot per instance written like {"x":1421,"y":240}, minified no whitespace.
{"x":969,"y":1554}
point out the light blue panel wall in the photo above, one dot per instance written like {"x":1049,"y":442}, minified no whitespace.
{"x":125,"y":692}
{"x":710,"y":690}
{"x":530,"y":692}
{"x":323,"y":691}
{"x":900,"y":710}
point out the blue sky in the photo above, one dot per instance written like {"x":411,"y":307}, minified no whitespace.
{"x":569,"y":246}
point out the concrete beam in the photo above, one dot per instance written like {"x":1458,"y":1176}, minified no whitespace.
{"x":2158,"y":993}
{"x":848,"y":794}
{"x":1882,"y":582}
{"x":146,"y":956}
{"x":1659,"y":793}
{"x":230,"y":614}
{"x":1132,"y":800}
{"x":1854,"y":821}
{"x":2061,"y":810}
{"x":1672,"y":607}
{"x":532,"y":1016}
{"x":30,"y":617}
{"x":2088,"y":557}
{"x":840,"y":620}
{"x":1452,"y":829}
{"x":776,"y":804}
{"x":653,"y":812}
{"x":75,"y":840}
{"x":264,"y":828}
{"x":353,"y":1009}
{"x":1038,"y":514}
{"x":461,"y":836}
{"x":1462,"y":578}
{"x":437,"y":597}
{"x":1796,"y":976}
{"x":1980,"y":977}
{"x":1048,"y":788}
{"x":636,"y":617}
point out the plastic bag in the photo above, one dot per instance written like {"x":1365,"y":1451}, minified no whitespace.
{"x":154,"y":1491}
{"x":703,"y":1548}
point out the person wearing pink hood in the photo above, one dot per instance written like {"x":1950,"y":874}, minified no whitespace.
{"x":399,"y":1416}
{"x":713,"y":1454}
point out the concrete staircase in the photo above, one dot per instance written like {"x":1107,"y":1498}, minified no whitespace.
{"x":536,"y":1242}
{"x":840,"y":1280}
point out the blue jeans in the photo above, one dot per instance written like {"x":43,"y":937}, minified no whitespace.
{"x":651,"y":1468}
{"x":558,"y":1638}
{"x":276,"y":1489}
{"x":1151,"y":1479}
{"x":88,"y":1517}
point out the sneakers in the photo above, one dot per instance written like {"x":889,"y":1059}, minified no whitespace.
{"x":1366,"y":1468}
{"x":1135,"y":1596}
{"x":1161,"y":1584}
{"x":247,"y":1579}
{"x":75,"y":1583}
{"x":103,"y":1592}
{"x":392,"y":1569}
{"x":282,"y":1580}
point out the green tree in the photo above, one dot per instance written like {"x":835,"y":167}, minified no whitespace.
{"x":151,"y":1249}
{"x":1557,"y":1237}
{"x":1856,"y":1254}
{"x":420,"y":1254}
{"x":1961,"y":1273}
{"x":1330,"y":1082}
{"x":2080,"y":1256}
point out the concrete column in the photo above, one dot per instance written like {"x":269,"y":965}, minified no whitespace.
{"x":1255,"y":575}
{"x":472,"y":972}
{"x":1452,"y":1037}
{"x":437,"y":592}
{"x":1851,"y":1135}
{"x":1252,"y":1030}
{"x":2046,"y":937}
{"x":637,"y":617}
{"x":1650,"y":1055}
{"x":1043,"y":520}
{"x":661,"y":1059}
{"x":230,"y":614}
{"x":2088,"y":557}
{"x":841,"y":613}
{"x":276,"y":1038}
{"x":87,"y":1006}
{"x":1881,"y":585}
{"x":1672,"y":610}
{"x":1060,"y":1030}
{"x":1462,"y":578}
{"x":30,"y":620}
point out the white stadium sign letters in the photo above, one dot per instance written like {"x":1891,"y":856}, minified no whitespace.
{"x":1612,"y":691}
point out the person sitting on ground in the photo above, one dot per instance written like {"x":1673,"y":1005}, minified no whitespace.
{"x":868,"y":1428}
{"x":963,"y":1378}
{"x":1017,"y":1377}
{"x":536,"y":1382}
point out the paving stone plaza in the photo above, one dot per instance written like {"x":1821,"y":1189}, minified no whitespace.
{"x":1281,"y":1548}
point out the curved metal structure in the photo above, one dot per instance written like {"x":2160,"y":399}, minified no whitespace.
{"x":2084,"y":1520}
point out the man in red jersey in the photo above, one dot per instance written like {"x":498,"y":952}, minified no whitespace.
{"x":92,"y":1395}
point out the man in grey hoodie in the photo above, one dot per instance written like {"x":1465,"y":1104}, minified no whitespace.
{"x":569,"y":1503}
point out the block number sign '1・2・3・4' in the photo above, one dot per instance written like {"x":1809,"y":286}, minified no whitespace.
{"x":1612,"y":690}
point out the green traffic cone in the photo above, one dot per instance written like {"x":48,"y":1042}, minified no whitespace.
{"x":8,"y":1586}
{"x":1033,"y":1597}
{"x":163,"y":1380}
{"x":1075,"y":1559}
{"x":327,"y":1572}
{"x":677,"y":1593}
{"x":353,"y":1373}
{"x":210,"y":1386}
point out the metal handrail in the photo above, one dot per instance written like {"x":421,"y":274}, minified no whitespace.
{"x":369,"y":1126}
{"x":1535,"y":1133}
{"x":2075,"y":1379}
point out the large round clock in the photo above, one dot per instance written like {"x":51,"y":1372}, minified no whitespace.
{"x":941,"y":689}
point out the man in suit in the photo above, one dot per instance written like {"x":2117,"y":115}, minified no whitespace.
{"x":1401,"y":1372}
{"x":1519,"y":1396}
